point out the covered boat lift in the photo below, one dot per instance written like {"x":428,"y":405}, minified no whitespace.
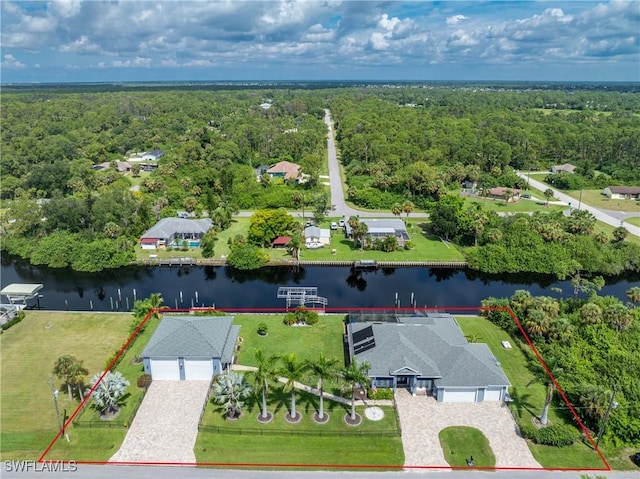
{"x":19,"y":293}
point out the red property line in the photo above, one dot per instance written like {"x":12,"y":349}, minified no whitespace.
{"x":336,"y":466}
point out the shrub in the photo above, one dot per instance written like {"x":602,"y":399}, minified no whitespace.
{"x":144,"y":381}
{"x":558,"y":435}
{"x":383,"y":393}
{"x":12,"y":322}
{"x":301,"y":316}
{"x":263,"y":329}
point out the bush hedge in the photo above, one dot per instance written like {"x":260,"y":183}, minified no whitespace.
{"x":558,"y":435}
{"x":382,"y":393}
{"x":12,"y":322}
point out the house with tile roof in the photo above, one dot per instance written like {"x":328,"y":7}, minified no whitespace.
{"x":425,"y":351}
{"x":188,"y":348}
{"x":173,"y":231}
{"x":285,"y":170}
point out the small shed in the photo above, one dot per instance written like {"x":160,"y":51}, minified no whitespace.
{"x":281,"y":242}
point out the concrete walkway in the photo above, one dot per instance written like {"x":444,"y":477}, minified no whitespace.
{"x":422,"y":418}
{"x":166,"y":424}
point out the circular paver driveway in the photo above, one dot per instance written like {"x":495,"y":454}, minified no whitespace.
{"x":166,"y":424}
{"x":422,"y":418}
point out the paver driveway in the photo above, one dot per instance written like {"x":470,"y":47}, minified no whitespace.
{"x":422,"y":418}
{"x":166,"y":425}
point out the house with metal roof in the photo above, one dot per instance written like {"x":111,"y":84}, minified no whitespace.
{"x":380,"y":228}
{"x":187,"y":348}
{"x":315,"y":234}
{"x":173,"y":231}
{"x":425,"y":351}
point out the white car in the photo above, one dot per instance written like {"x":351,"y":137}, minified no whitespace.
{"x":334,"y":226}
{"x":341,"y":223}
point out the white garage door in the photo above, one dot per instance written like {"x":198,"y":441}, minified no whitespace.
{"x":198,"y":369}
{"x":492,"y":394}
{"x":459,"y":395}
{"x":165,"y":370}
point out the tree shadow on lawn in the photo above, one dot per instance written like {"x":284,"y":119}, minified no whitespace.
{"x":522,"y":402}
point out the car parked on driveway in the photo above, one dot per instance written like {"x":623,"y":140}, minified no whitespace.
{"x":341,"y":223}
{"x":334,"y":226}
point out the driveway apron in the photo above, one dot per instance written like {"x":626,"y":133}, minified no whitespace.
{"x":422,"y":418}
{"x":166,"y":424}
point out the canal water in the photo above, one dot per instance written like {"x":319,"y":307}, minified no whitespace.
{"x":225,"y":287}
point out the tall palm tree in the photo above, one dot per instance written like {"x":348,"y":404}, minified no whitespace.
{"x":359,"y":233}
{"x":265,"y":373}
{"x":396,"y":209}
{"x":594,"y":400}
{"x":541,"y":375}
{"x":353,"y":375}
{"x":323,"y":369}
{"x":408,"y":207}
{"x":71,"y":370}
{"x":548,"y":194}
{"x":292,"y":370}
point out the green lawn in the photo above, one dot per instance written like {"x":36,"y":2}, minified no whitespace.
{"x":425,"y":248}
{"x":28,"y":351}
{"x":528,"y":399}
{"x":522,"y":206}
{"x":460,"y":443}
{"x":597,"y":199}
{"x":99,"y":444}
{"x":608,"y":229}
{"x":633,"y":221}
{"x":306,"y":341}
{"x":248,"y":442}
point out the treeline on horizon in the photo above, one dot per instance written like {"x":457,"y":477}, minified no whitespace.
{"x":397,"y":143}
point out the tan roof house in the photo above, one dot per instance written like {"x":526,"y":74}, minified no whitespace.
{"x":500,"y":192}
{"x":285,"y":170}
{"x":566,"y":168}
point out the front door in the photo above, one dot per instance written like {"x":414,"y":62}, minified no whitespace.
{"x":402,"y":381}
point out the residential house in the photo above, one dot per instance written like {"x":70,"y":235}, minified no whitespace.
{"x":500,"y":193}
{"x":172,"y":231}
{"x":188,"y":348}
{"x":121,"y":166}
{"x":622,"y":192}
{"x":380,"y":228}
{"x":565,"y":168}
{"x":425,"y":351}
{"x":284,"y":170}
{"x":153,"y":155}
{"x":314,"y":234}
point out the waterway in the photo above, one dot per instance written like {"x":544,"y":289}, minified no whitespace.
{"x":223,"y":287}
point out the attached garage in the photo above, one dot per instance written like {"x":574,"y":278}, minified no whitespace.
{"x":459,"y":395}
{"x":165,"y":369}
{"x":493,"y":394}
{"x":198,"y":369}
{"x":188,"y":348}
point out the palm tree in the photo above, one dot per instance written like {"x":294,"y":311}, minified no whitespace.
{"x":591,"y":313}
{"x":634,"y":294}
{"x":620,"y":233}
{"x":265,"y":372}
{"x":396,"y":209}
{"x":618,"y":316}
{"x":359,"y":233}
{"x":594,"y":401}
{"x":292,"y":370}
{"x":323,"y":369}
{"x":229,"y":390}
{"x":548,"y":194}
{"x":543,"y":376}
{"x":109,"y":393}
{"x":353,"y":375}
{"x":408,"y":207}
{"x":71,"y":370}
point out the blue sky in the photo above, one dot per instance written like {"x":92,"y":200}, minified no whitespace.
{"x":72,"y":40}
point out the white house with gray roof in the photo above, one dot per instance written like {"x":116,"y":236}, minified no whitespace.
{"x":380,"y":228}
{"x":188,"y":348}
{"x":172,"y":231}
{"x":428,"y":352}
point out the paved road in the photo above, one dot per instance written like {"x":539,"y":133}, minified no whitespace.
{"x":600,"y":215}
{"x":157,"y":472}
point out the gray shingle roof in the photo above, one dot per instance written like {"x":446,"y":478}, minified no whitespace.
{"x":193,"y":336}
{"x":167,"y":227}
{"x":434,"y":346}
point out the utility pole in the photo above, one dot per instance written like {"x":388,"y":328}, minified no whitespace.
{"x":612,"y":405}
{"x":580,"y":200}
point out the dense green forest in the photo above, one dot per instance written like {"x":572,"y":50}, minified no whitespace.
{"x":590,"y":345}
{"x":397,"y":142}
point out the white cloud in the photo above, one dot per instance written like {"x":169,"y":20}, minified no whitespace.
{"x":455,"y":19}
{"x":81,"y":45}
{"x":66,"y":8}
{"x":9,"y":61}
{"x":137,"y":62}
